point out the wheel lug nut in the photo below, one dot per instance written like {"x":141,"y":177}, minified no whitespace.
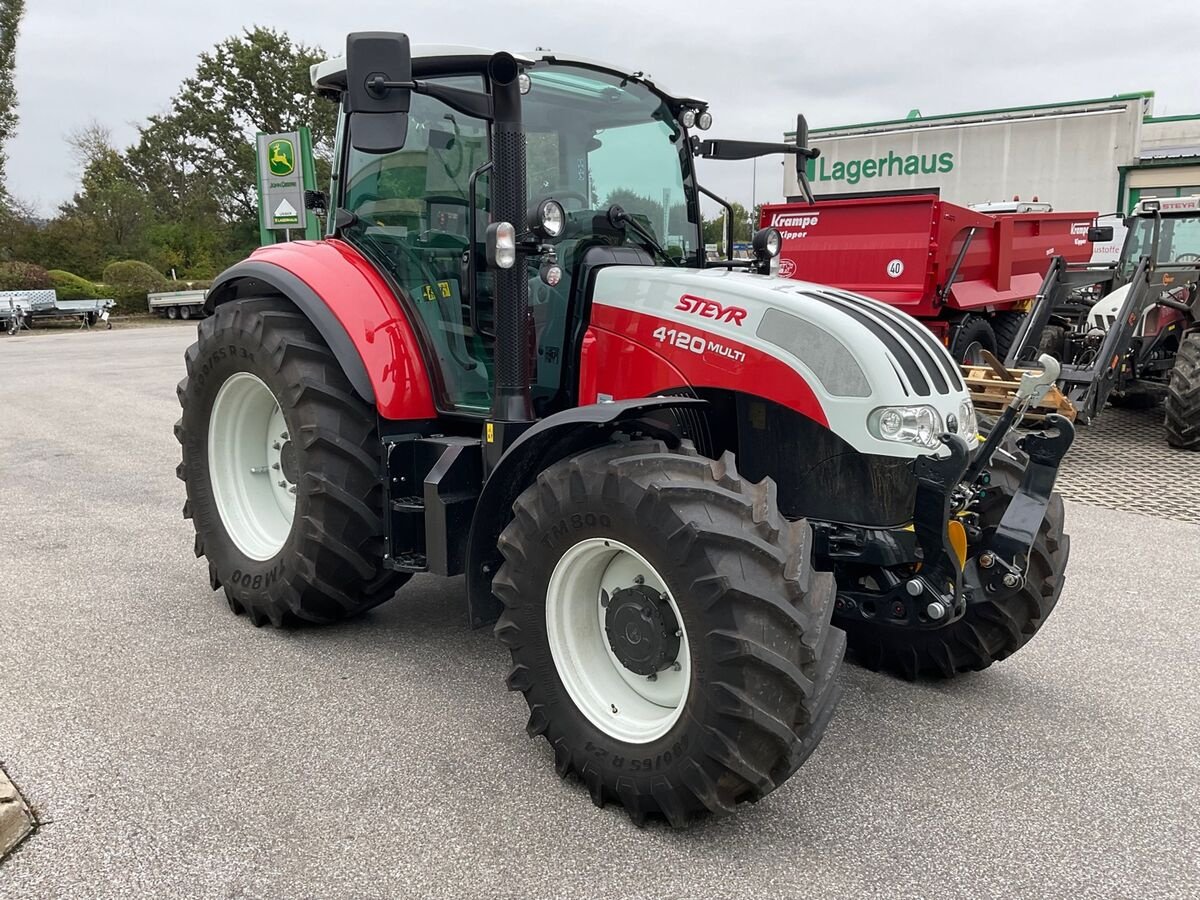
{"x":283,"y":484}
{"x":676,"y":666}
{"x":639,"y":579}
{"x":653,"y":676}
{"x":275,"y":466}
{"x":276,"y":446}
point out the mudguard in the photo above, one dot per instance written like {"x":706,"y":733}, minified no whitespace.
{"x":563,"y":434}
{"x":352,"y":306}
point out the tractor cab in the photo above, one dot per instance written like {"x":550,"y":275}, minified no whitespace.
{"x":610,"y":151}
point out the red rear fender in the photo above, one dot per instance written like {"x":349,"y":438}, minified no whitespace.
{"x":353,"y":308}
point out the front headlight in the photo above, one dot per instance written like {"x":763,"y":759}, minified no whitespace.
{"x":968,"y":425}
{"x":907,"y":425}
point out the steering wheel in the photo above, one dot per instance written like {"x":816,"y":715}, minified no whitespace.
{"x":1187,"y":258}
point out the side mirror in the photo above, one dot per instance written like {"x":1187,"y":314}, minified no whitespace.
{"x":379,"y":90}
{"x":1100,"y":234}
{"x":801,"y":132}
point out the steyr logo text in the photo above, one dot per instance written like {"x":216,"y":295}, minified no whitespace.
{"x":711,"y":309}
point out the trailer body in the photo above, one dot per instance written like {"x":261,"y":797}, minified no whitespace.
{"x":935,"y":260}
{"x":177,"y":304}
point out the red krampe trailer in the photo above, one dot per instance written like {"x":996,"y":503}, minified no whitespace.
{"x":969,"y":276}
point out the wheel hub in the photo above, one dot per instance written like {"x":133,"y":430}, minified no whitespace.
{"x":288,"y":463}
{"x":642,"y":630}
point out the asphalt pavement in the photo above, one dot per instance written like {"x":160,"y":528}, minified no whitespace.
{"x":171,"y":749}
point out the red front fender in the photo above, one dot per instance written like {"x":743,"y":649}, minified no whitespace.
{"x":356,"y":313}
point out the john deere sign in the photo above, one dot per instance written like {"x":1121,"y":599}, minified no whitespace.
{"x":852,"y":171}
{"x":284,"y":172}
{"x":281,"y":157}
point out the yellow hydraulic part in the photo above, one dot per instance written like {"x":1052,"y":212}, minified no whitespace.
{"x":958,"y":540}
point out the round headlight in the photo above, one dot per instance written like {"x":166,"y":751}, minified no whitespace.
{"x":704,"y":121}
{"x":890,"y":423}
{"x":524,"y":83}
{"x":766,"y":243}
{"x":552,"y":218}
{"x":688,"y":118}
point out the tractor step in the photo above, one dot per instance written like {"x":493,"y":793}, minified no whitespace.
{"x":433,"y":484}
{"x":408,"y":562}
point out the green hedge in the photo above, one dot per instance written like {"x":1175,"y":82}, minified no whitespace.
{"x":130,"y":280}
{"x":71,"y":287}
{"x":23,"y":276}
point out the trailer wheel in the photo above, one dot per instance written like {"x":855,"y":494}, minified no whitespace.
{"x":667,"y":629}
{"x":172,"y":312}
{"x":991,"y":630}
{"x":185,"y":312}
{"x":281,"y":460}
{"x":973,"y":335}
{"x":1005,"y":326}
{"x":1183,"y":395}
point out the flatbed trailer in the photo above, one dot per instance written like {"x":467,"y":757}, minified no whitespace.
{"x":24,"y":309}
{"x":969,"y":276}
{"x":177,"y":304}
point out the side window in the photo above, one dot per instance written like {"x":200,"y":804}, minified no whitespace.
{"x":413,"y":220}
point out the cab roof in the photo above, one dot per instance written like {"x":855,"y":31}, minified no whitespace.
{"x":329,"y":77}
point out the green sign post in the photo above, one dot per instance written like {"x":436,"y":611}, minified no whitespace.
{"x":285,"y":172}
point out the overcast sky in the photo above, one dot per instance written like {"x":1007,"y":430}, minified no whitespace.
{"x":839,"y":62}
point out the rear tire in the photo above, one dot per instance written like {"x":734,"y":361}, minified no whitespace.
{"x":185,"y":313}
{"x":1005,"y":326}
{"x":329,"y":561}
{"x":754,"y":630}
{"x":971,"y":331}
{"x":991,"y":630}
{"x":172,"y":312}
{"x":1183,"y":395}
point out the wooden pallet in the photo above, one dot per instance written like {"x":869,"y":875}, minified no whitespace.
{"x":992,"y":387}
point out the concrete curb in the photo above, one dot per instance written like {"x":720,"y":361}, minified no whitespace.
{"x":16,"y":821}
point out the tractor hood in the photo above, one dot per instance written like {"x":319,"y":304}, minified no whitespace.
{"x":854,"y":353}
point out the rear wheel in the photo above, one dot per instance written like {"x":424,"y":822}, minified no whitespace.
{"x":281,"y":462}
{"x":185,"y":312}
{"x":974,"y":335}
{"x":1183,"y":395}
{"x":172,"y":312}
{"x":991,"y":629}
{"x":667,"y":630}
{"x":1005,"y":326}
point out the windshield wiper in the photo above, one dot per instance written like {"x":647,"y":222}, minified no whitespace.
{"x":619,"y":219}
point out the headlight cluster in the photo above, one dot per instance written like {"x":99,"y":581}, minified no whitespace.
{"x":907,"y":425}
{"x":921,"y":425}
{"x":968,"y":425}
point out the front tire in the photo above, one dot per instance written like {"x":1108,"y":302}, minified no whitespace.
{"x":991,"y":629}
{"x":1183,"y":395}
{"x":741,"y":695}
{"x":281,"y":460}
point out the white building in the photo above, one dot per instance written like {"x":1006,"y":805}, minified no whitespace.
{"x":1101,"y":155}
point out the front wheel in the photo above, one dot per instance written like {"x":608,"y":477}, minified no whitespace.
{"x":667,"y":629}
{"x":992,"y":629}
{"x":1183,"y":395}
{"x":281,"y":460}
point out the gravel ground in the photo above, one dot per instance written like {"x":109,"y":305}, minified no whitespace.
{"x":172,"y":749}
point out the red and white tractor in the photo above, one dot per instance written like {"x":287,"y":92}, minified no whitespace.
{"x":678,"y":487}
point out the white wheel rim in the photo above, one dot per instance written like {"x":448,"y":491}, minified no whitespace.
{"x":621,"y":703}
{"x":247,"y":435}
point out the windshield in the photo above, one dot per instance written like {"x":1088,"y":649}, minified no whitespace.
{"x":595,"y":140}
{"x":1178,"y":242}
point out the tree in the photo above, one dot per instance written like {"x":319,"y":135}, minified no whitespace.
{"x":743,"y":229}
{"x":204,"y":147}
{"x":10,"y":21}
